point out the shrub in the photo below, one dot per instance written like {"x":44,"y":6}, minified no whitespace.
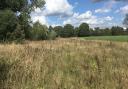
{"x":52,"y":35}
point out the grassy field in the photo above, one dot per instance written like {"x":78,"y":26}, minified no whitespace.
{"x":109,"y":38}
{"x":64,"y":64}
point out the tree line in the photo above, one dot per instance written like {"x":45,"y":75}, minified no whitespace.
{"x":16,"y":25}
{"x":37,"y":31}
{"x":84,"y":30}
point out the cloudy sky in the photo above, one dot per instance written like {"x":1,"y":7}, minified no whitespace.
{"x":102,"y":13}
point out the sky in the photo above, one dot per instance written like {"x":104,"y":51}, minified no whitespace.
{"x":97,"y":13}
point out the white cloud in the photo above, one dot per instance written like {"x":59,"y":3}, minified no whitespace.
{"x":77,"y":18}
{"x":60,"y":8}
{"x":72,"y":20}
{"x":89,"y":18}
{"x":41,"y":19}
{"x":57,"y":8}
{"x":102,"y":10}
{"x":108,"y":18}
{"x":85,"y":15}
{"x":124,"y":9}
{"x":107,"y":7}
{"x":54,"y":25}
{"x":37,"y":10}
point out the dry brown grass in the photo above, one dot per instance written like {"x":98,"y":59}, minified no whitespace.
{"x":64,"y":64}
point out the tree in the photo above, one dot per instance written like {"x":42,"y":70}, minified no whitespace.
{"x":125,"y":22}
{"x":107,"y":32}
{"x":102,"y":32}
{"x":58,"y":30}
{"x":126,"y":31}
{"x":14,"y":5}
{"x":39,"y":32}
{"x":97,"y":31}
{"x":21,"y":5}
{"x":76,"y":31}
{"x":17,"y":35}
{"x":8,"y":23}
{"x":91,"y":31}
{"x":24,"y":21}
{"x":116,"y":30}
{"x":50,"y":28}
{"x":51,"y":34}
{"x":24,"y":8}
{"x":68,"y":31}
{"x":83,"y":30}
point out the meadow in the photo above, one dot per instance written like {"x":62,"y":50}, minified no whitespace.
{"x":108,"y":38}
{"x":64,"y":64}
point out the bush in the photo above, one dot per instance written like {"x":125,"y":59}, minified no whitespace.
{"x":52,"y":35}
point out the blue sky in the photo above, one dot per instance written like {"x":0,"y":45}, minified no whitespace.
{"x":97,"y":14}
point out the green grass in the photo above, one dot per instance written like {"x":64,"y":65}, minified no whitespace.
{"x":109,"y":38}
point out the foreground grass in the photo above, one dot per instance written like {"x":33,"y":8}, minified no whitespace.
{"x":109,"y":38}
{"x":64,"y":64}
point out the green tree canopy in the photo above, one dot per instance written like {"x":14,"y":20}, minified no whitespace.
{"x":39,"y":32}
{"x":68,"y":31}
{"x":125,"y":22}
{"x":58,"y":30}
{"x":116,"y":30}
{"x":20,"y":5}
{"x":83,"y":30}
{"x":10,"y":20}
{"x":14,"y":5}
{"x":8,"y":23}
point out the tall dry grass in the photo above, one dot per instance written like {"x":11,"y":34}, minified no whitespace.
{"x":64,"y":64}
